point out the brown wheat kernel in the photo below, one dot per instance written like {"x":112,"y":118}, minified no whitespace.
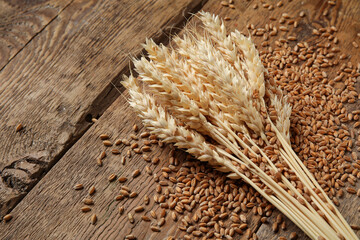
{"x":145,"y":218}
{"x":119,"y":197}
{"x":227,"y":18}
{"x":122,"y":179}
{"x":130,"y":237}
{"x":94,"y":120}
{"x":155,"y":160}
{"x":351,"y":190}
{"x":293,"y":236}
{"x":283,"y":225}
{"x":146,"y":200}
{"x":135,"y":128}
{"x":137,"y":151}
{"x":148,"y":170}
{"x":145,"y":149}
{"x":85,"y":209}
{"x":19,"y":127}
{"x":102,"y":155}
{"x":118,"y":142}
{"x":7,"y":217}
{"x":115,"y":151}
{"x":93,"y":219}
{"x":161,"y":222}
{"x":78,"y":186}
{"x":302,"y":14}
{"x":279,"y":4}
{"x":155,"y":228}
{"x":173,"y":216}
{"x":255,"y":6}
{"x":243,"y":226}
{"x":190,"y":229}
{"x":144,"y":134}
{"x":99,"y":162}
{"x":88,"y":201}
{"x":153,"y":137}
{"x":355,"y":44}
{"x":153,"y":214}
{"x":285,"y":15}
{"x":121,"y":210}
{"x":331,"y":3}
{"x":131,"y":218}
{"x":355,"y":227}
{"x":283,"y":28}
{"x":224,"y":3}
{"x":104,"y":136}
{"x":232,"y":6}
{"x":163,"y":213}
{"x":275,"y":227}
{"x":125,"y":142}
{"x":134,"y":137}
{"x":123,"y":160}
{"x":139,"y":209}
{"x":124,"y":193}
{"x":158,"y":189}
{"x":164,"y":183}
{"x":146,"y":157}
{"x":136,"y":173}
{"x":92,"y":190}
{"x":134,"y":145}
{"x":156,"y":178}
{"x":112,"y":177}
{"x":133,"y":194}
{"x":107,"y":143}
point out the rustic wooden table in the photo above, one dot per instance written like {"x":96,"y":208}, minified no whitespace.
{"x":60,"y":66}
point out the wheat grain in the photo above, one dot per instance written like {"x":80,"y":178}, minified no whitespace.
{"x":248,"y":125}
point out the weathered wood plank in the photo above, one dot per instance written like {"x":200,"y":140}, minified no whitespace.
{"x":78,"y":166}
{"x":110,"y":224}
{"x":52,"y":208}
{"x":20,"y":21}
{"x":62,"y":78}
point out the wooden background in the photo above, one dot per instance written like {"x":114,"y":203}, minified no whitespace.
{"x":59,"y":63}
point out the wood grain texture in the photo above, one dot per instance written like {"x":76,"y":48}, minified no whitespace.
{"x":63,"y":78}
{"x":52,"y":209}
{"x":53,"y":204}
{"x":21,"y":20}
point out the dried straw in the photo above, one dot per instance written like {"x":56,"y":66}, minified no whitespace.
{"x":210,"y":95}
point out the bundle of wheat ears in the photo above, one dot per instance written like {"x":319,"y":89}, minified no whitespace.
{"x":209,"y":94}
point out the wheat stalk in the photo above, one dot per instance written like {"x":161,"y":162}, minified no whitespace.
{"x":223,"y":92}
